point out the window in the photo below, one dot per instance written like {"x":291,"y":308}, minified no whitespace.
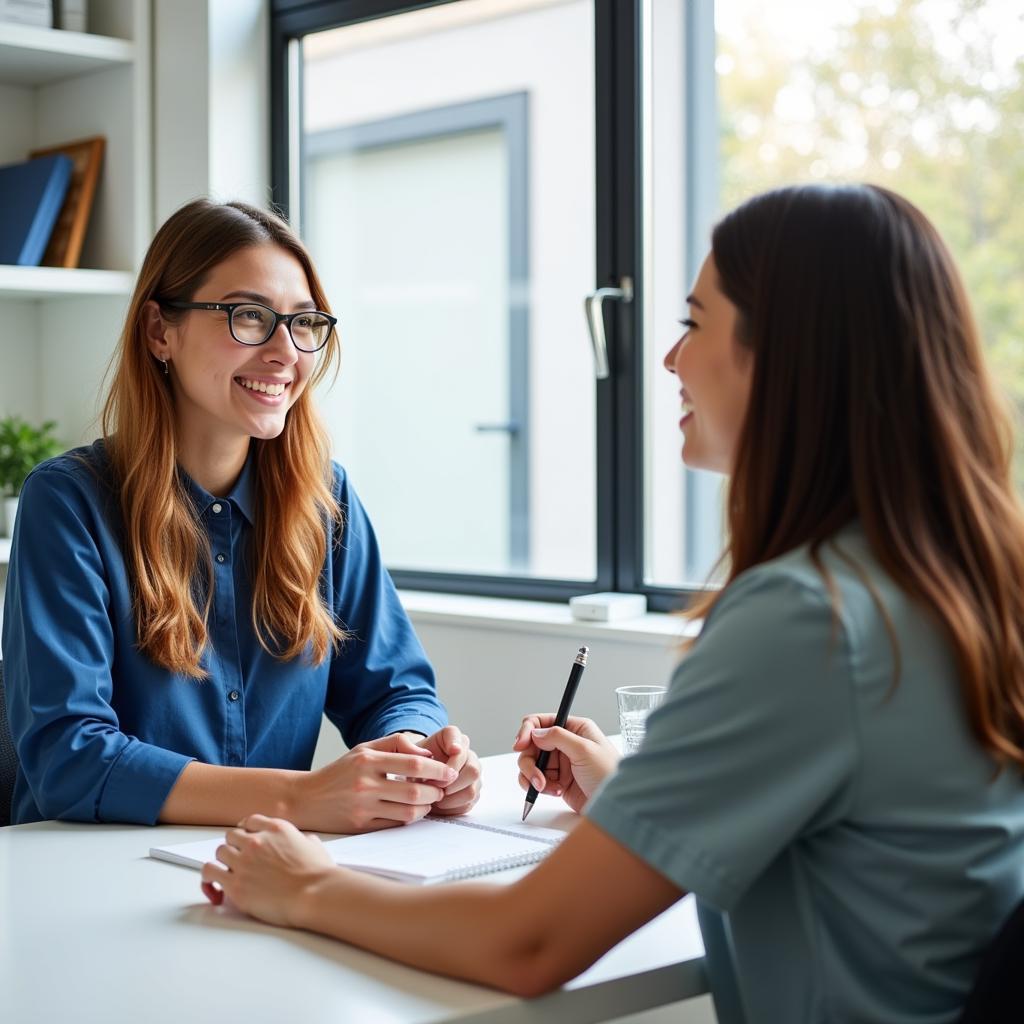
{"x":446,"y":188}
{"x":467,"y":171}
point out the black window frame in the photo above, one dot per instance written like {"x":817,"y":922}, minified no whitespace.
{"x":619,"y":398}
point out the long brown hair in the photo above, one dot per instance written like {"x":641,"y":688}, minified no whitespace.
{"x":871,"y":400}
{"x":167,"y":552}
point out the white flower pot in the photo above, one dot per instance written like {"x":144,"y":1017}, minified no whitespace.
{"x":10,"y":514}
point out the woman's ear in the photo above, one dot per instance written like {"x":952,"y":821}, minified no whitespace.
{"x":154,"y":328}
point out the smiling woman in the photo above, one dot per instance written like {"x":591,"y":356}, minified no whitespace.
{"x":208,"y":538}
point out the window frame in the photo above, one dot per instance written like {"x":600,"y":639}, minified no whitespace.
{"x":619,"y":27}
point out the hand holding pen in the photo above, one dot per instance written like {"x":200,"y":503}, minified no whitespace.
{"x":583,"y":756}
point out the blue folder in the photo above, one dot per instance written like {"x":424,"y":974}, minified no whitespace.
{"x":31,"y":195}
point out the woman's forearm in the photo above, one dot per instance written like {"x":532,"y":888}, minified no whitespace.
{"x":210,"y":794}
{"x":476,"y":931}
{"x":526,"y":938}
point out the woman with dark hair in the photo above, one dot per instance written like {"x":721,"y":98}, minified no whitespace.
{"x":837,"y":769}
{"x":191,"y":594}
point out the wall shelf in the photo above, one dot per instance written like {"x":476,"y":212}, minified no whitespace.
{"x":61,"y":282}
{"x":38,"y":56}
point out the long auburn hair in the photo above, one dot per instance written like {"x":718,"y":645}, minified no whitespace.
{"x":167,"y":552}
{"x":871,"y":400}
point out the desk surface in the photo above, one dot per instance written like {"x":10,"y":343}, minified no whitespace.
{"x":93,"y":930}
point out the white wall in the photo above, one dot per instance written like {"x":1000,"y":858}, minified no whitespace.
{"x":19,"y":358}
{"x":211,"y":102}
{"x":499,"y":660}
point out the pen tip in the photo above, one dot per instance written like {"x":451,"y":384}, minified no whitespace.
{"x":527,"y":807}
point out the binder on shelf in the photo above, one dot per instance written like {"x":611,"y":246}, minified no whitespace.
{"x":86,"y":156}
{"x":31,"y":196}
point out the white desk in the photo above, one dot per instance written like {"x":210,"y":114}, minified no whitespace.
{"x":92,"y":930}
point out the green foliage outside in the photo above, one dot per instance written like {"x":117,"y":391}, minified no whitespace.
{"x":22,"y":447}
{"x":923,"y":96}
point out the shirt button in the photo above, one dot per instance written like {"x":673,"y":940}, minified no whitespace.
{"x":234,"y":695}
{"x":220,"y":558}
{"x":217,"y":506}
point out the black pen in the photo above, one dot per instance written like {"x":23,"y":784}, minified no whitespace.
{"x":571,"y":686}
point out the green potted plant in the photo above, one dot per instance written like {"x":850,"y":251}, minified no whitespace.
{"x":22,"y":447}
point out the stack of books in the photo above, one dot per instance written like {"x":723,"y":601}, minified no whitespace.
{"x":70,"y":15}
{"x":28,"y":12}
{"x":31,"y":196}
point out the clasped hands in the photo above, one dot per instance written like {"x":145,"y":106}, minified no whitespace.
{"x":390,"y":781}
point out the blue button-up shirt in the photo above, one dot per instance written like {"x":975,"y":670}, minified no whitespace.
{"x":103,"y":733}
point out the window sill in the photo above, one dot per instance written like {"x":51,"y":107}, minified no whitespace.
{"x":493,"y":613}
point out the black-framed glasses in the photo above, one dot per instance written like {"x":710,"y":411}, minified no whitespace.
{"x":252,"y":323}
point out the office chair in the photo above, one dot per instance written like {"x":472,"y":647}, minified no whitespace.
{"x":998,"y":993}
{"x":8,"y":757}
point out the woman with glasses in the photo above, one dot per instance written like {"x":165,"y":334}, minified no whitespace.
{"x":837,"y":769}
{"x":188,"y":596}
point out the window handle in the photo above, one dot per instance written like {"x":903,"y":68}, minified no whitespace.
{"x":593,"y":308}
{"x":498,"y":428}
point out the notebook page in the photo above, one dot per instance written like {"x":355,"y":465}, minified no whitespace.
{"x":435,"y":849}
{"x":426,"y":851}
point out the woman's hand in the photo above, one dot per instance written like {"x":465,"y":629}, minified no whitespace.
{"x":385,"y":782}
{"x":450,"y":746}
{"x":264,"y":866}
{"x":582,"y":757}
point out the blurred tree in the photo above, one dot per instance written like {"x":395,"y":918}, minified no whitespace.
{"x":922,"y":96}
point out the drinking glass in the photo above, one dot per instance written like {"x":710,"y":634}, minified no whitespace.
{"x":635,"y":704}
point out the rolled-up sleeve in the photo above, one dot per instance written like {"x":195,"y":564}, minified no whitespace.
{"x":755,"y":744}
{"x":58,"y":646}
{"x":380,"y":680}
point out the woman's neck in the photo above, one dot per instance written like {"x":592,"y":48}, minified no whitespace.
{"x":214,"y":466}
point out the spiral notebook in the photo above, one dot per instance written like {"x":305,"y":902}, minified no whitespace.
{"x":426,"y":852}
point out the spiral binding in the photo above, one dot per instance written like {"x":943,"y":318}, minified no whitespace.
{"x":516,"y":860}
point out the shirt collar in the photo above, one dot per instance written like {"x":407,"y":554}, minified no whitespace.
{"x":242,"y":495}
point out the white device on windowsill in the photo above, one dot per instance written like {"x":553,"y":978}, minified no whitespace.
{"x":607,"y":606}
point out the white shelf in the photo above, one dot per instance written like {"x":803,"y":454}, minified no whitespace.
{"x":5,"y":550}
{"x":61,"y":282}
{"x":37,"y":56}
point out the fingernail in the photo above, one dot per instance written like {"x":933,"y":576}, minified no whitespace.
{"x":541,"y":732}
{"x":538,"y":782}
